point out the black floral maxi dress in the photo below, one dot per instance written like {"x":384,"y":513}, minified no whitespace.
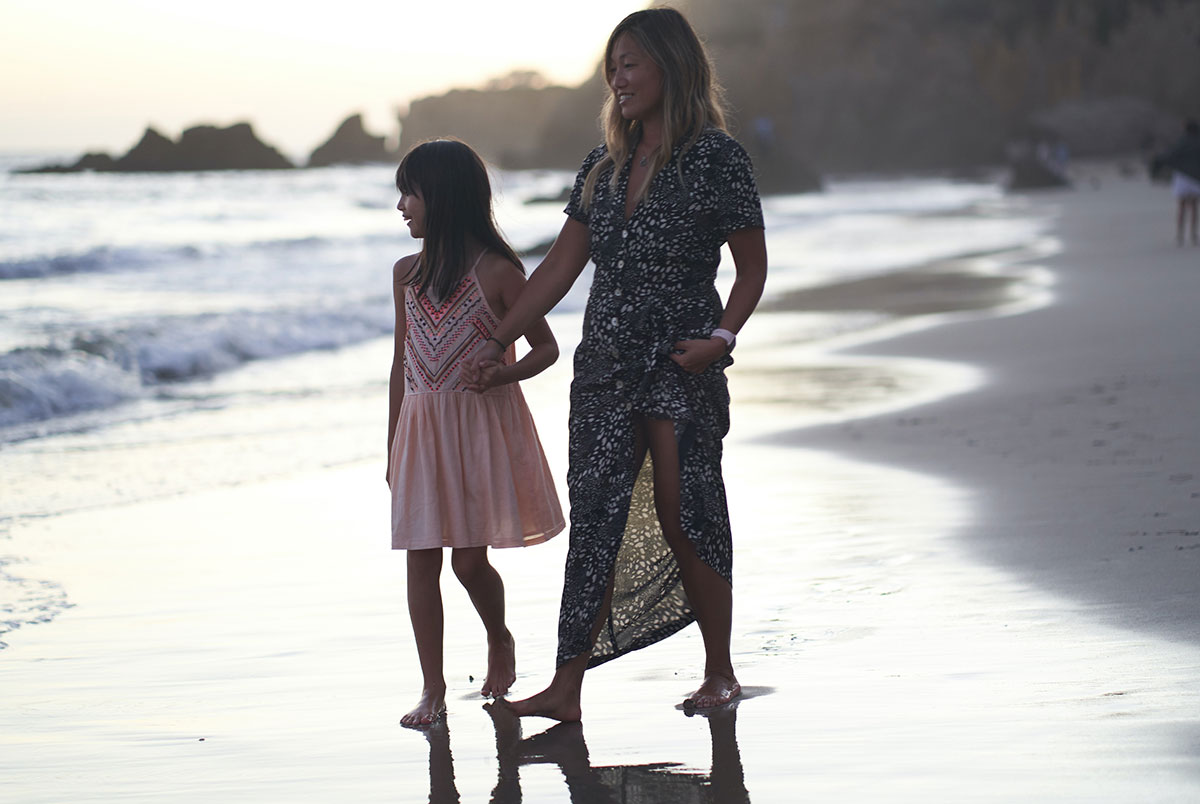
{"x":653,"y":286}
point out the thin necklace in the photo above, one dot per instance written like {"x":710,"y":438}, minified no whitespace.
{"x":642,"y":161}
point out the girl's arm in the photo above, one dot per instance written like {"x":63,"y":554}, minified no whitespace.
{"x":400,"y":274}
{"x":504,"y":285}
{"x":749,"y":250}
{"x":546,"y":286}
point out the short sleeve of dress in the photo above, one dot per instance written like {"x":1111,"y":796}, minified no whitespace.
{"x":739,"y":206}
{"x":575,"y":208}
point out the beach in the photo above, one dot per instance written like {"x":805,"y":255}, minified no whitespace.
{"x":967,"y":562}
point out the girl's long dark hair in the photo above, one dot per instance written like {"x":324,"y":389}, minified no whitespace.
{"x":453,"y":182}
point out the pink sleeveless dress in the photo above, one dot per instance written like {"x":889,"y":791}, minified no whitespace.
{"x":467,"y":468}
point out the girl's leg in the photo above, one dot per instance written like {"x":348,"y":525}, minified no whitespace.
{"x":486,"y":589}
{"x":1193,"y":205}
{"x":425,"y":611}
{"x":708,"y":593}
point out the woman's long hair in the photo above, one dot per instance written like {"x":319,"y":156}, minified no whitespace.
{"x":453,"y":182}
{"x":692,"y":98}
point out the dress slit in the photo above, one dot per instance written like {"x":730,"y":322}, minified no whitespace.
{"x":653,"y":286}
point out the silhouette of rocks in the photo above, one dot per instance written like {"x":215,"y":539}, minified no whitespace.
{"x":153,"y":152}
{"x":351,"y":145}
{"x":199,"y":148}
{"x":232,"y":148}
{"x":504,"y":121}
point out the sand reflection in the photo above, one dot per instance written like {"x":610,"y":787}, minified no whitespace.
{"x":563,"y":745}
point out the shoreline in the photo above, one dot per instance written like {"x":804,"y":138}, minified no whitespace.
{"x":1080,"y":441}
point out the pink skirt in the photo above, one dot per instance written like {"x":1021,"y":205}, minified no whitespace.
{"x":467,"y":470}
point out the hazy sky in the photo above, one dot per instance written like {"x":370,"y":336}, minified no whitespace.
{"x":81,"y":75}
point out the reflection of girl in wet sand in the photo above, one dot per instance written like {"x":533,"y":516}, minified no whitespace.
{"x":650,"y":542}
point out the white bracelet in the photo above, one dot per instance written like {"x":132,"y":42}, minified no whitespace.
{"x":727,"y":336}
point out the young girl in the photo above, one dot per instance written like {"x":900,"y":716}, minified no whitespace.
{"x":465,"y":466}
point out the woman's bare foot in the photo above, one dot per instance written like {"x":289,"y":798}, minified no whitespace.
{"x":430,"y":708}
{"x":550,"y":702}
{"x":718,"y":689}
{"x":502,"y":667}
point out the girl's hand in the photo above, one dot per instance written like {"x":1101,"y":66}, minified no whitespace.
{"x":489,"y":353}
{"x":480,"y":370}
{"x":484,"y":375}
{"x":697,"y":355}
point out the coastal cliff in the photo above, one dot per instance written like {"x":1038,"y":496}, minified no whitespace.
{"x":518,"y":121}
{"x":885,"y":85}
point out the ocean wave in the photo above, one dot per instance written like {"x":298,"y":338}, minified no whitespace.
{"x":101,"y":369}
{"x":109,"y":258}
{"x":100,"y":258}
{"x":27,"y":601}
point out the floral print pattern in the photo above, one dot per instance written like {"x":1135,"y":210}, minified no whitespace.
{"x":653,"y":286}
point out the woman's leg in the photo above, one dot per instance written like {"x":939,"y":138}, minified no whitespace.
{"x":709,"y":594}
{"x":486,"y":589}
{"x":425,"y":611}
{"x":561,"y":700}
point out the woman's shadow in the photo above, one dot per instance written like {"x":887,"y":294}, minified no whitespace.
{"x":563,"y":745}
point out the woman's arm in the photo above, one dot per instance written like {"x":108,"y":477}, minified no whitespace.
{"x":546,"y":286}
{"x":504,"y":286}
{"x":749,"y":250}
{"x":400,"y":274}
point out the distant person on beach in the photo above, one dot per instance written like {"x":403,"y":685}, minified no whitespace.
{"x":465,"y":465}
{"x":650,"y":547}
{"x":1183,"y":160}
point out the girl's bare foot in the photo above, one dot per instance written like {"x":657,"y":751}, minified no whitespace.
{"x":430,"y":708}
{"x":550,"y":702}
{"x":718,"y":689}
{"x":502,"y":667}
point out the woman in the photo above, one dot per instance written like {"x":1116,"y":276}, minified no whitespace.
{"x":650,"y":547}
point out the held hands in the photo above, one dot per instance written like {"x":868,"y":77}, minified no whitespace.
{"x":696,"y":355}
{"x":480,"y":372}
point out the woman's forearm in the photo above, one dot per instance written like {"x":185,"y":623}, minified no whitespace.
{"x":536,"y":360}
{"x":548,"y":283}
{"x":749,"y":250}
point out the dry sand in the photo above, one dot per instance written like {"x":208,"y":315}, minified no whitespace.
{"x":986,"y":591}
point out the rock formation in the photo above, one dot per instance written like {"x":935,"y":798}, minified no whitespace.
{"x":504,"y":121}
{"x":351,"y":145}
{"x":198,"y":148}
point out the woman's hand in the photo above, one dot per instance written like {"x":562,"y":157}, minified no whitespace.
{"x":697,"y":355}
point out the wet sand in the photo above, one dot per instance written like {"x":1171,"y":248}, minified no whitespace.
{"x":946,"y":588}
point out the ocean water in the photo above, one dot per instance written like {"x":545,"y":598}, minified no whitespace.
{"x":161,"y":334}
